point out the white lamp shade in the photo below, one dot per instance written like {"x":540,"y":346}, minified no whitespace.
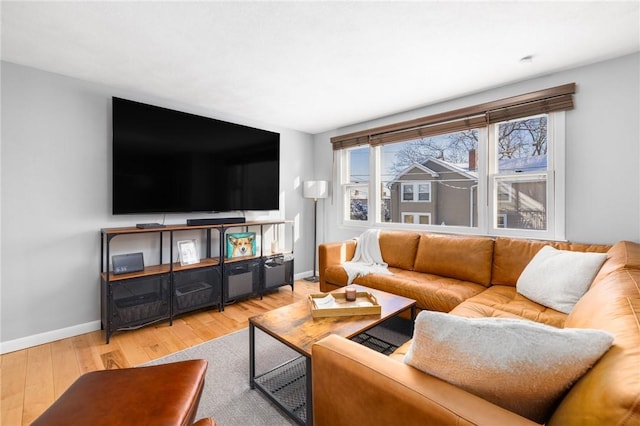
{"x":315,"y":189}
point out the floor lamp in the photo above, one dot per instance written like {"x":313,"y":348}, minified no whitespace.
{"x":315,"y":189}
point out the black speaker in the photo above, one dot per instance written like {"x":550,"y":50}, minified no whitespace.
{"x":125,"y":263}
{"x":215,"y":221}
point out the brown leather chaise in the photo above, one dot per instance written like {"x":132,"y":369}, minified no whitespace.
{"x":166,"y":394}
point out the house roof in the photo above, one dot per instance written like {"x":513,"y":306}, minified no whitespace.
{"x":536,"y":163}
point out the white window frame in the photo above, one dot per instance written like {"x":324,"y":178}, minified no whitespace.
{"x":486,"y":195}
{"x":507,"y":193}
{"x":554,"y":177}
{"x":416,"y":218}
{"x":416,"y":191}
{"x":347,"y":200}
{"x":502,"y":216}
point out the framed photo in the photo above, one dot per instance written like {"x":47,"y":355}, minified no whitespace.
{"x":187,"y":252}
{"x":240,"y":244}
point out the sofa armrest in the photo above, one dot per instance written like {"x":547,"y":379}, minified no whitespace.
{"x":333,"y":254}
{"x":354,"y":384}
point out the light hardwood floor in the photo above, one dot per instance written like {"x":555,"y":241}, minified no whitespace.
{"x":31,"y":379}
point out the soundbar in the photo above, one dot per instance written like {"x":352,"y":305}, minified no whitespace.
{"x":215,"y":221}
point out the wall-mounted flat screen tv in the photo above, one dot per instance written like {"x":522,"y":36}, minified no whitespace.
{"x":167,"y":161}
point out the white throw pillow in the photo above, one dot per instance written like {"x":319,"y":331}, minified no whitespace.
{"x":521,"y":365}
{"x":559,"y":278}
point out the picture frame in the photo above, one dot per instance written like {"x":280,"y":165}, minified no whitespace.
{"x":241,"y":244}
{"x":188,"y":252}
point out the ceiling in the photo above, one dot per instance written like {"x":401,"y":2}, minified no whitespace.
{"x":314,"y":66}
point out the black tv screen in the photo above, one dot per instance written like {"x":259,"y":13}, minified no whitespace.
{"x":167,"y":161}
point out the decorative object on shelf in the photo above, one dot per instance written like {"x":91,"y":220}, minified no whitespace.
{"x":240,"y":244}
{"x":315,"y":189}
{"x":274,"y":246}
{"x":187,"y":252}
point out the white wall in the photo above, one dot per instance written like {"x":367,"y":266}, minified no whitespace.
{"x":602,"y":150}
{"x":56,"y":145}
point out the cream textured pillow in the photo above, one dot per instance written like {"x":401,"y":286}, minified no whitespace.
{"x":559,"y":278}
{"x":521,"y":365}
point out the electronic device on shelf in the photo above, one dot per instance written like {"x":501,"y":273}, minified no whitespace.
{"x":125,"y":263}
{"x":215,"y":221}
{"x":153,"y":225}
{"x":167,"y":161}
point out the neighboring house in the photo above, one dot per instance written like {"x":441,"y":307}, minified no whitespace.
{"x":522,"y":203}
{"x":437,"y":192}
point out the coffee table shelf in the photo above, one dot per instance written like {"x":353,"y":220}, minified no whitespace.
{"x":286,"y":385}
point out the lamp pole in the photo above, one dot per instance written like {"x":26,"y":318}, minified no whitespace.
{"x":314,"y":278}
{"x":314,"y":189}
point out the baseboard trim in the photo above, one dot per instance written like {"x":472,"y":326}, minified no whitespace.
{"x":76,"y":330}
{"x":302,"y":275}
{"x":48,"y":337}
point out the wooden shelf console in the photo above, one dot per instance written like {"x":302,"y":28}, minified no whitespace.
{"x":166,"y":289}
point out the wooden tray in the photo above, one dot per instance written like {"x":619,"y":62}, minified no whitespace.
{"x":345,"y":308}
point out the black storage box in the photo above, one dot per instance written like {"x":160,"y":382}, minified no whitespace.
{"x":197,"y":288}
{"x":277,"y":272}
{"x":140,"y":300}
{"x":241,"y":279}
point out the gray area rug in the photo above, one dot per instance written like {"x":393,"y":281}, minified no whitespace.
{"x":227,"y":397}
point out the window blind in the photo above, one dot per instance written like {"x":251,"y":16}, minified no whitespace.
{"x":559,"y":98}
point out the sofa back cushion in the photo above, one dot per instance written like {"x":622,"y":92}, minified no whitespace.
{"x":399,"y":248}
{"x":512,"y":255}
{"x":460,"y":257}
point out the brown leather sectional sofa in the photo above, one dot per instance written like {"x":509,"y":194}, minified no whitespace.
{"x":476,"y":277}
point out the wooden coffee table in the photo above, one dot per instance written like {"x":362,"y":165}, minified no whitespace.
{"x":294,"y":326}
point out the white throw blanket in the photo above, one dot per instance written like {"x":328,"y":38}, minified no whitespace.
{"x":367,"y":258}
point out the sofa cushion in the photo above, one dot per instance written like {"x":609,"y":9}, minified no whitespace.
{"x":520,"y":365}
{"x":559,"y":278}
{"x":501,"y":301}
{"x":512,"y":255}
{"x":429,"y":291}
{"x":463,"y":258}
{"x":399,"y":248}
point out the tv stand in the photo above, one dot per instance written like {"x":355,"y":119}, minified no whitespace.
{"x":215,"y":221}
{"x":168,"y":288}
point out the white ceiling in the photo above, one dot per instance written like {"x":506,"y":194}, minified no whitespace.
{"x":314,"y":66}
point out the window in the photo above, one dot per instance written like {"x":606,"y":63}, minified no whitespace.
{"x":494,"y":168}
{"x":417,"y":218}
{"x":356,"y":188}
{"x":416,"y":192}
{"x":501,"y":221}
{"x":520,"y":166}
{"x":436,"y":174}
